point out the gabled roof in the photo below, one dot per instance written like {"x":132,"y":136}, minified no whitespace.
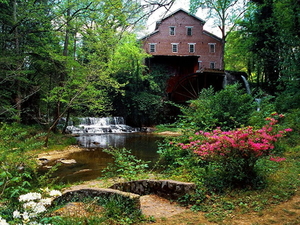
{"x":166,"y":17}
{"x":171,"y":14}
{"x":182,"y":10}
{"x":212,"y":35}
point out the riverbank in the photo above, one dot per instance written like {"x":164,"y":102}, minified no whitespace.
{"x":58,"y":154}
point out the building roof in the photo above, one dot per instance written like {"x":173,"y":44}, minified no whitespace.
{"x":182,"y":10}
{"x":171,"y":14}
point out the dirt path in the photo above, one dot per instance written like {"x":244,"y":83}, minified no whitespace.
{"x":170,"y":213}
{"x":287,"y":213}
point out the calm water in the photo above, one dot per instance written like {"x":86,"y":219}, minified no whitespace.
{"x":93,"y":160}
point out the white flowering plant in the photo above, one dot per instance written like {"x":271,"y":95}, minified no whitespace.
{"x":33,"y":205}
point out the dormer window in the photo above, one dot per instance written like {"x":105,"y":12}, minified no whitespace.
{"x":212,"y":47}
{"x":172,"y":31}
{"x":189,"y":31}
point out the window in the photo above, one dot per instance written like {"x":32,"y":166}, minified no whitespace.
{"x":212,"y":47}
{"x":172,"y":31}
{"x":174,"y":47}
{"x":212,"y":65}
{"x":189,"y":31}
{"x":199,"y":66}
{"x":192,"y":47}
{"x":152,"y":47}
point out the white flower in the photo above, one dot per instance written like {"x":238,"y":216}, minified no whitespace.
{"x":16,"y":214}
{"x":29,"y":205}
{"x":25,"y":216}
{"x":46,"y":201}
{"x":30,"y":196}
{"x":39,"y":208}
{"x":55,"y":193}
{"x":3,"y":221}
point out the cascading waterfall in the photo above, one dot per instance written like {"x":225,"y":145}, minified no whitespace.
{"x":246,"y":85}
{"x":98,"y":125}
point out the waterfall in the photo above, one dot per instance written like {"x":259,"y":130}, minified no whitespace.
{"x":246,"y":85}
{"x":96,"y":125}
{"x":224,"y":83}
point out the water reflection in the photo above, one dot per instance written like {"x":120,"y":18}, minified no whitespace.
{"x":91,"y":161}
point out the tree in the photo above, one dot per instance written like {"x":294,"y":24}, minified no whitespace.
{"x":55,"y":55}
{"x":141,"y":103}
{"x":269,"y":37}
{"x":226,"y":14}
{"x":22,"y":31}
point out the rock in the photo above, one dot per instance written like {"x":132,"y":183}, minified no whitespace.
{"x":77,"y":209}
{"x":67,"y":161}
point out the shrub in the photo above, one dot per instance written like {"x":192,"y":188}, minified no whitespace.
{"x":125,"y":164}
{"x":228,"y":108}
{"x":18,"y":167}
{"x":231,"y":155}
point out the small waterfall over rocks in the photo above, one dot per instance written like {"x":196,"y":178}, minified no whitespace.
{"x":246,"y":85}
{"x":99,"y":125}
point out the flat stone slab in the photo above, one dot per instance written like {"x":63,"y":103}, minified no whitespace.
{"x":81,"y":194}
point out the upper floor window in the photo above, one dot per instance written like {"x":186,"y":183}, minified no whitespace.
{"x":174,"y":47}
{"x":192,"y":47}
{"x":189,"y":31}
{"x":172,"y":31}
{"x":212,"y":65}
{"x":212,"y":47}
{"x":152,"y":47}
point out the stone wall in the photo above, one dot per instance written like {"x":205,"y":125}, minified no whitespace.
{"x":81,"y":194}
{"x":168,"y":189}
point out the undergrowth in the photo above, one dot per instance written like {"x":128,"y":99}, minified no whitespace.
{"x":114,"y":209}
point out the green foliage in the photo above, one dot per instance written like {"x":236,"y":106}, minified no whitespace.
{"x":142,"y":102}
{"x":178,"y":163}
{"x":18,"y":168}
{"x":268,"y":40}
{"x":116,"y":209}
{"x":228,"y":108}
{"x":292,"y":120}
{"x":125,"y":164}
{"x":265,"y":107}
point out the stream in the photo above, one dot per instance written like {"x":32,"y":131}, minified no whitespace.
{"x":92,"y":160}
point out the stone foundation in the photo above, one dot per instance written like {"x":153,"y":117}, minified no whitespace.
{"x":168,"y":189}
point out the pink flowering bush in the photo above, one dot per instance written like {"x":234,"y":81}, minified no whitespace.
{"x":236,"y":151}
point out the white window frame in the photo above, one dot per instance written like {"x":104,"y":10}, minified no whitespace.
{"x":212,"y":47}
{"x":187,"y":30}
{"x":150,"y":47}
{"x":174,"y":48}
{"x":194,"y":47}
{"x":212,"y":65}
{"x":172,"y":30}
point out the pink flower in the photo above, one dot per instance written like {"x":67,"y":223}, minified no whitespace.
{"x":277,"y":159}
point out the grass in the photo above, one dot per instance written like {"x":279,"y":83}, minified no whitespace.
{"x":101,"y":210}
{"x":166,"y":127}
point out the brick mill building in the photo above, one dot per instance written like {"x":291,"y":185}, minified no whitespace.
{"x":191,"y":55}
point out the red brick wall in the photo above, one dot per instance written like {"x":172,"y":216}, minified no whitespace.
{"x":181,"y":21}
